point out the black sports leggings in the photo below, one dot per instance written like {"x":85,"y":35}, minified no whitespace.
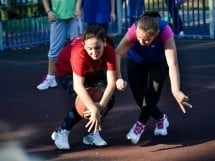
{"x":146,"y":82}
{"x":72,"y":117}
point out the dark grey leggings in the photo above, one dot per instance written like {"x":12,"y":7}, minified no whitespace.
{"x":146,"y":82}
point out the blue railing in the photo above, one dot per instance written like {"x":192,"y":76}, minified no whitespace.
{"x":198,"y":18}
{"x":24,"y":32}
{"x":197,"y":15}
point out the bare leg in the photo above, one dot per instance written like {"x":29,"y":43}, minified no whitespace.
{"x":51,"y":67}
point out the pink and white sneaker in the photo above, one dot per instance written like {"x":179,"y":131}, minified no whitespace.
{"x":161,"y":126}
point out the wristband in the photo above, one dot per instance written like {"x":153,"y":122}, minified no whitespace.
{"x":48,"y":11}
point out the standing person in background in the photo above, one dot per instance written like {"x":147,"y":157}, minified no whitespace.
{"x":88,"y":61}
{"x":151,"y":56}
{"x":98,"y":12}
{"x":136,"y":8}
{"x":64,"y":24}
{"x":172,"y":6}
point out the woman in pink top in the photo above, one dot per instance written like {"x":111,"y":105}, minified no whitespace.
{"x":151,"y":56}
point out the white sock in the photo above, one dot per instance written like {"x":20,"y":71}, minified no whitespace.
{"x":50,"y":76}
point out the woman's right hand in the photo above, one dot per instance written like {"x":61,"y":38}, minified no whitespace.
{"x":94,"y":122}
{"x":51,"y":16}
{"x":121,"y":84}
{"x":182,"y":100}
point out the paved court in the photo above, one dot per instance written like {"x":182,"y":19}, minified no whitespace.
{"x":28,"y":116}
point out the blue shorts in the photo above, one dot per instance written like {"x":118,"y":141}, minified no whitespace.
{"x":60,"y":31}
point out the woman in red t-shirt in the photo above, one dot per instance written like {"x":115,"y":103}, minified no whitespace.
{"x":87,"y":61}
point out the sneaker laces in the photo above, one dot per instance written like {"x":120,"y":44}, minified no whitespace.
{"x":63,"y":135}
{"x":89,"y":136}
{"x":97,"y":136}
{"x":139,"y":127}
{"x":44,"y":77}
{"x":94,"y":136}
{"x":160,"y":123}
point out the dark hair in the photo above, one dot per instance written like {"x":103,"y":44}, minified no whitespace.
{"x":154,"y":14}
{"x":96,"y":31}
{"x":149,"y":22}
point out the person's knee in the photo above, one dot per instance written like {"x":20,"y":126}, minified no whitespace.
{"x":52,"y":56}
{"x":67,"y":84}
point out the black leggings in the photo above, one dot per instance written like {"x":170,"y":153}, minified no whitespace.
{"x":174,"y":12}
{"x":72,"y":116}
{"x":146,"y":82}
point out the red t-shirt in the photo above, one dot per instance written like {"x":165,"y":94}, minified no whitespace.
{"x":73,"y":58}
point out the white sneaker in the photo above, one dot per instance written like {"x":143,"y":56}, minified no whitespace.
{"x":135,"y":132}
{"x":161,"y":126}
{"x":61,"y":139}
{"x":94,"y":138}
{"x":53,"y":135}
{"x":47,"y":83}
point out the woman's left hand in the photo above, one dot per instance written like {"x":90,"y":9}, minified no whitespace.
{"x":94,"y":122}
{"x":182,"y":100}
{"x":121,"y":84}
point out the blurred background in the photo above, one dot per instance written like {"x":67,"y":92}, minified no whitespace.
{"x":24,"y":22}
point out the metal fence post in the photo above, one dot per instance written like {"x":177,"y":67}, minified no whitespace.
{"x":211,"y":18}
{"x":1,"y":37}
{"x":119,"y":16}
